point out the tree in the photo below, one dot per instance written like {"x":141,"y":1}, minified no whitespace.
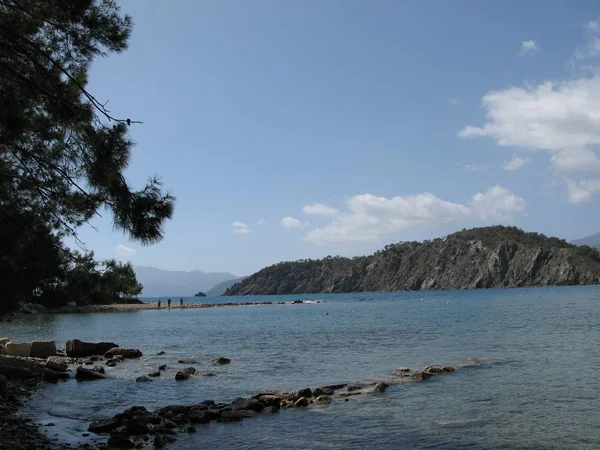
{"x":62,"y":151}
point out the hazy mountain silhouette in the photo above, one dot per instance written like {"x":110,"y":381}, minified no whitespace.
{"x":592,"y":241}
{"x":165,"y":283}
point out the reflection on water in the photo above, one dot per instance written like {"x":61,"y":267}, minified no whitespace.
{"x":533,"y":391}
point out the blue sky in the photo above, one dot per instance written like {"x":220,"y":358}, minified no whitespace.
{"x":291,"y":130}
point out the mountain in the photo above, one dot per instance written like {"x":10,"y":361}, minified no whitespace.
{"x":220,"y":288}
{"x":165,"y":283}
{"x":488,"y":257}
{"x":592,"y":241}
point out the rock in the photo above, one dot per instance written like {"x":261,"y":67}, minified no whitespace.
{"x":270,"y":400}
{"x":19,"y":372}
{"x":221,"y":361}
{"x":63,"y":375}
{"x":190,"y":429}
{"x":187,"y":361}
{"x":133,"y":413}
{"x":448,"y":369}
{"x":111,"y":363}
{"x":137,"y":427}
{"x":79,"y":349}
{"x":22,"y":350}
{"x":247,"y":403}
{"x":43,"y":349}
{"x":162,"y":367}
{"x":354,"y":387}
{"x":104,"y":426}
{"x":57,"y":363}
{"x":301,"y":402}
{"x":88,"y":362}
{"x":98,"y":369}
{"x":324,"y":390}
{"x":158,"y":442}
{"x":127,"y":353}
{"x":206,"y":416}
{"x":143,"y":379}
{"x":380,"y":387}
{"x":181,"y":375}
{"x":402,"y":369}
{"x":323,"y":399}
{"x":160,"y":353}
{"x":231,"y":416}
{"x":432,"y":370}
{"x":4,"y":341}
{"x":167,"y":423}
{"x":119,"y":441}
{"x":208,"y":374}
{"x":84,"y":374}
{"x":421,"y":376}
{"x":306,"y":392}
{"x":154,"y":374}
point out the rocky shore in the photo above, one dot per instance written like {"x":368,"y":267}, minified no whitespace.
{"x":136,"y":427}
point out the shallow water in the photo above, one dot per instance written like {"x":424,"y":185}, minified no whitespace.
{"x":537,"y":389}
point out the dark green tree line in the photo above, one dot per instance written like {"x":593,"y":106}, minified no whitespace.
{"x":62,"y":153}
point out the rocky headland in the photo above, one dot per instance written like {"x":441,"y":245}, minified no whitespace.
{"x":489,"y":257}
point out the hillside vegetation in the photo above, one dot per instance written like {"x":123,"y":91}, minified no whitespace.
{"x":488,"y":257}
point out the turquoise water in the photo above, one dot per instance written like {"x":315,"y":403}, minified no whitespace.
{"x":539,"y":389}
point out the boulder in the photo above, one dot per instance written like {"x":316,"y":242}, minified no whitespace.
{"x":270,"y":400}
{"x":19,"y":372}
{"x":247,"y":403}
{"x":380,"y":387}
{"x":127,"y":353}
{"x":181,"y":375}
{"x":421,"y":376}
{"x":221,"y":361}
{"x":84,"y":374}
{"x":324,"y":390}
{"x":160,"y":353}
{"x":301,"y":402}
{"x":154,"y":374}
{"x":79,"y":349}
{"x":187,"y":361}
{"x":143,"y":379}
{"x":98,"y":369}
{"x":50,"y":376}
{"x":23,"y":349}
{"x":162,"y":367}
{"x":119,"y":441}
{"x":137,"y":426}
{"x":306,"y":392}
{"x":57,"y":363}
{"x":432,"y":370}
{"x":323,"y":399}
{"x":208,"y":374}
{"x":231,"y":416}
{"x":43,"y":349}
{"x":104,"y":426}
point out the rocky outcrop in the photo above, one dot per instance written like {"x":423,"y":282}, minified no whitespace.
{"x":78,"y":349}
{"x":489,"y":257}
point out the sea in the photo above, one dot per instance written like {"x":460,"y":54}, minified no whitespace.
{"x":535,"y":385}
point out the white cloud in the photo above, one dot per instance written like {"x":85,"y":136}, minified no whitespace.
{"x":241,"y":231}
{"x":319,"y":210}
{"x":370,"y":218}
{"x":475,"y":167}
{"x":562,"y":118}
{"x":239,"y":224}
{"x":261,"y":222}
{"x":454,"y":101}
{"x":582,"y":191}
{"x":528,"y":48}
{"x":516,"y":163}
{"x":593,"y":26}
{"x":292,"y":222}
{"x":123,"y":250}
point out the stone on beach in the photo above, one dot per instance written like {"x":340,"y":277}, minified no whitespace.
{"x":43,"y":349}
{"x":79,"y":349}
{"x":23,"y":349}
{"x":125,"y":352}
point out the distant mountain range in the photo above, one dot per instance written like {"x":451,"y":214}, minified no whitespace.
{"x":592,"y":241}
{"x":165,"y":283}
{"x":220,"y":288}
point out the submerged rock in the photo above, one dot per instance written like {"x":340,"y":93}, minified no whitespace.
{"x":380,"y":387}
{"x":154,"y":374}
{"x":421,"y":376}
{"x":220,"y":361}
{"x":78,"y":349}
{"x":143,"y":379}
{"x":84,"y":374}
{"x":127,"y":353}
{"x":187,"y":361}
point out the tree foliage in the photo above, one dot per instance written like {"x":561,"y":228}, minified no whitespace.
{"x":62,"y":153}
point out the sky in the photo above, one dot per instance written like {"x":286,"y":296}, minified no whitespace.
{"x":292,"y":130}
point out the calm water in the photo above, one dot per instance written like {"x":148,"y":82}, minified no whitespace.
{"x":542,"y":390}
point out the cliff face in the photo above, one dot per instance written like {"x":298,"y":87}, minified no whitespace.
{"x":490,"y":257}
